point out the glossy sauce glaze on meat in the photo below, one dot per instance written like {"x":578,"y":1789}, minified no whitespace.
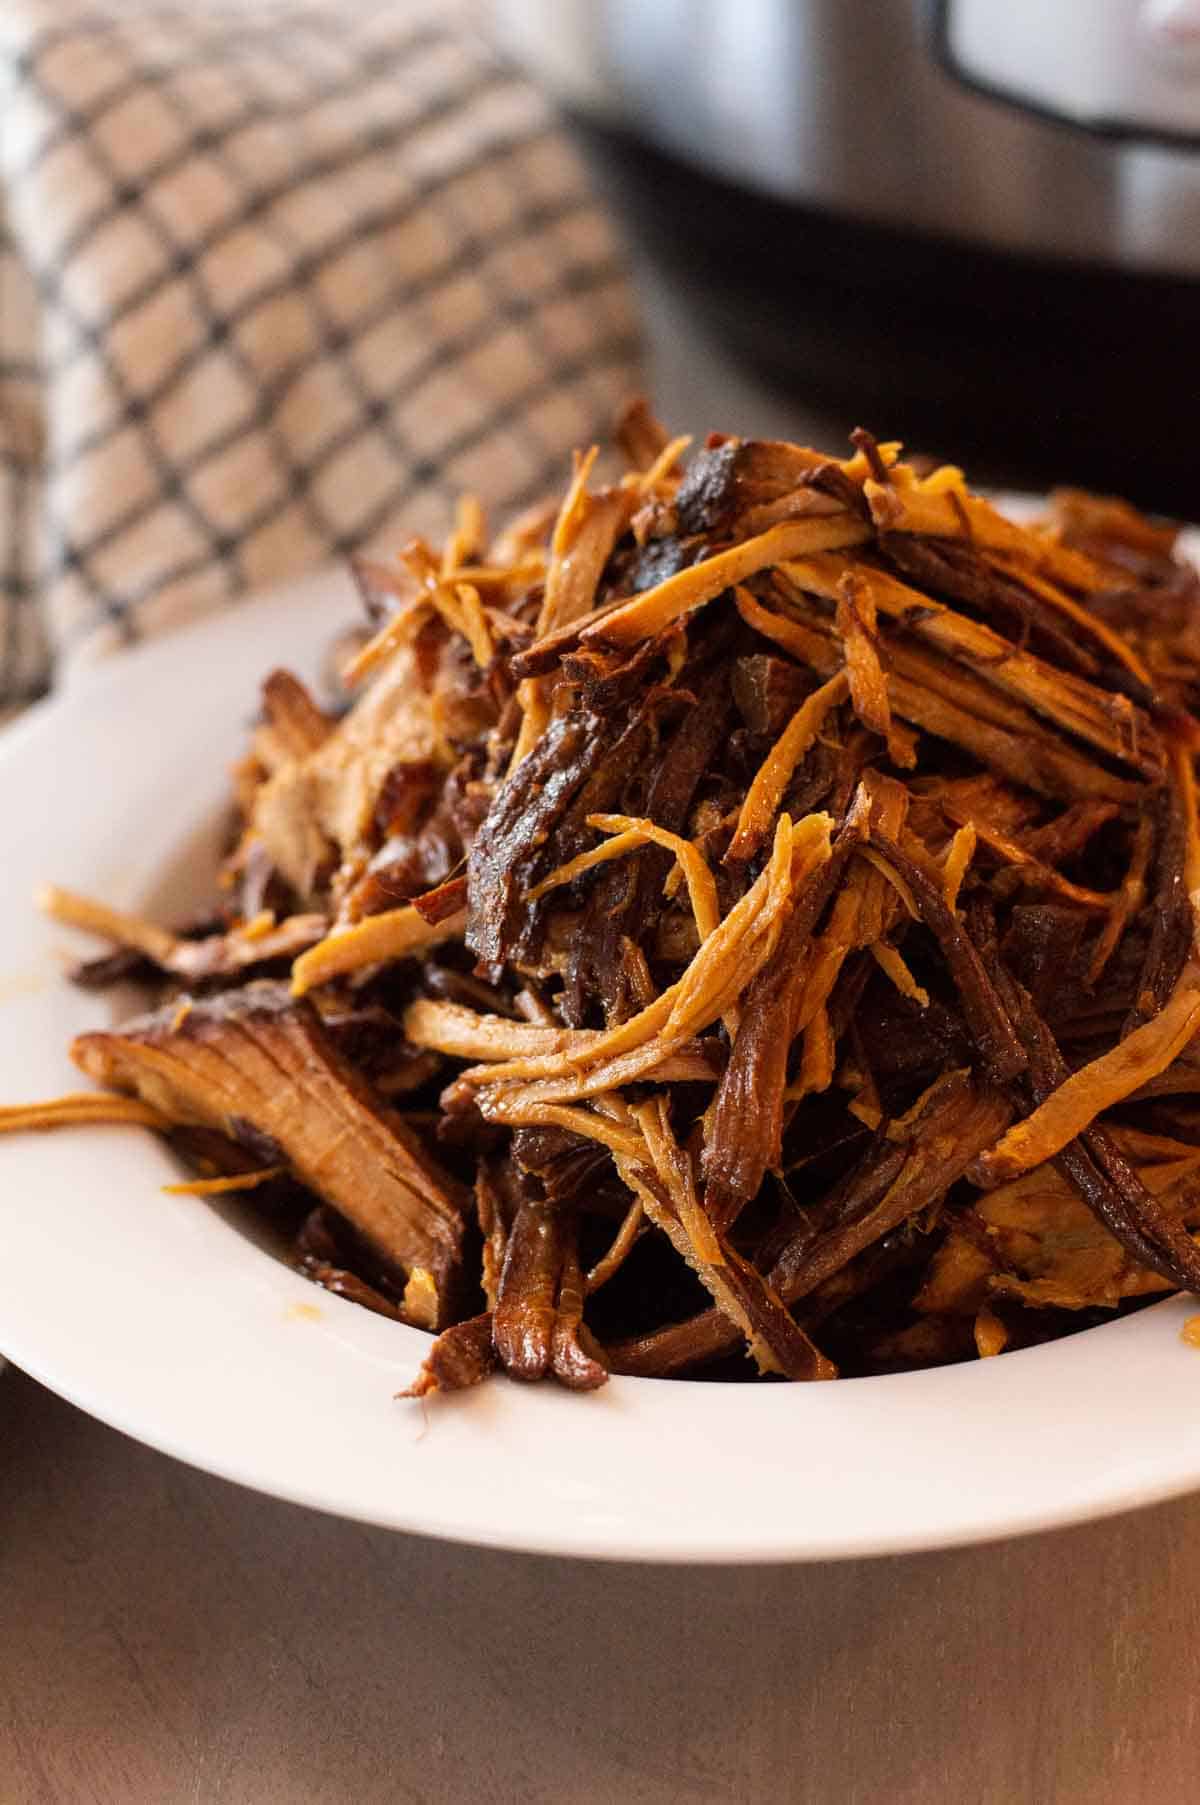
{"x":742,"y":922}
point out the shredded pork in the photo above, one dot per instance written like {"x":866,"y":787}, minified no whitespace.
{"x":745,"y":923}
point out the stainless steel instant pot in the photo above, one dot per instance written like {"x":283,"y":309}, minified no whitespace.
{"x":975,"y":223}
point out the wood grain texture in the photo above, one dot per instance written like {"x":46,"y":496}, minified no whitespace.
{"x":165,"y":1637}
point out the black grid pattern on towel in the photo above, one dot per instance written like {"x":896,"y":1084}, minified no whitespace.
{"x":294,"y":276}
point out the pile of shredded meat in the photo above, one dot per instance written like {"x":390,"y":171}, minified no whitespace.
{"x":743,"y":919}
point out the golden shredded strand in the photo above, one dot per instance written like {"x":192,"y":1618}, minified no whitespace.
{"x":663,"y":467}
{"x":959,"y":854}
{"x":379,"y":939}
{"x":618,"y":1248}
{"x":890,"y":961}
{"x":475,"y":626}
{"x":78,"y":1109}
{"x":615,"y":848}
{"x":855,"y":622}
{"x":77,"y":911}
{"x":217,"y":1187}
{"x":656,"y":608}
{"x":775,"y":773}
{"x":534,"y":703}
{"x":391,"y":637}
{"x":799,"y":642}
{"x":1098,"y":1086}
{"x":701,"y":884}
{"x":467,"y":541}
{"x":571,"y":513}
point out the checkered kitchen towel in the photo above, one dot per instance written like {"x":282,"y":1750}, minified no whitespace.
{"x":278,"y":278}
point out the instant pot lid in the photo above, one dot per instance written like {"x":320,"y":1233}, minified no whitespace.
{"x":887,"y":246}
{"x":1064,"y":130}
{"x":1032,"y":372}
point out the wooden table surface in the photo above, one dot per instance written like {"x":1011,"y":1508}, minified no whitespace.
{"x":166,"y":1637}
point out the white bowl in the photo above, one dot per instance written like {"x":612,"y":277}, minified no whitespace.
{"x":162,"y":1317}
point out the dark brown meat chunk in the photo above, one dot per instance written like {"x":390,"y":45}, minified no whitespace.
{"x":747,"y":1122}
{"x":516,"y":827}
{"x":768,"y":691}
{"x":993,"y":1034}
{"x":913,"y":1166}
{"x":540,"y":1304}
{"x":725,"y":481}
{"x":462,"y":1356}
{"x":1170,"y":920}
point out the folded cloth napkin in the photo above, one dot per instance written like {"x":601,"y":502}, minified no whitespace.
{"x":278,"y":279}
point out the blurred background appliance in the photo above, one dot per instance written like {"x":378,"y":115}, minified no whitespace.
{"x":975,"y":223}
